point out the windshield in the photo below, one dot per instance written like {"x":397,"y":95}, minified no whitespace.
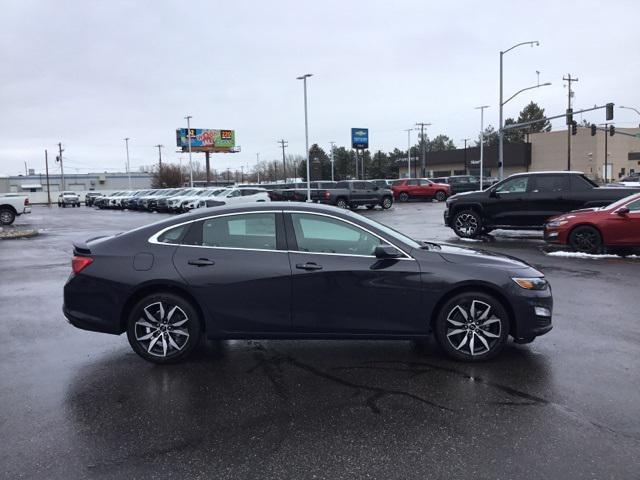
{"x":389,"y":231}
{"x":222,"y":193}
{"x":621,"y":202}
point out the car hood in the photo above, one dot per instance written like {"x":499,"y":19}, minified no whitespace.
{"x":574,"y":214}
{"x":471,"y":256}
{"x":473,"y":194}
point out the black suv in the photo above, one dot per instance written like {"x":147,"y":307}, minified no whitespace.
{"x":525,"y":201}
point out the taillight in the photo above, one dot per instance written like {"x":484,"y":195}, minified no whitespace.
{"x":327,"y":194}
{"x":80,"y":263}
{"x":26,"y":202}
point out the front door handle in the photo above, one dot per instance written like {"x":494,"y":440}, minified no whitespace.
{"x":201,"y":262}
{"x":308,"y":266}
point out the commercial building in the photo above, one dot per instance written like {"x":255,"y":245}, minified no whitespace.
{"x":543,"y":151}
{"x":35,"y":186}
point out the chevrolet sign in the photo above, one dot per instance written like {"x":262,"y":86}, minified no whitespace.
{"x":360,"y":138}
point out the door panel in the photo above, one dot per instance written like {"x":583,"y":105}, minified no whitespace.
{"x":510,"y":206}
{"x":234,"y":268}
{"x":339,"y":287}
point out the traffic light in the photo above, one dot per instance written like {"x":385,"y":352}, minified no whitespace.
{"x":612,"y":131}
{"x":569,"y":116}
{"x":593,"y":129}
{"x":574,"y":127}
{"x":609,"y":111}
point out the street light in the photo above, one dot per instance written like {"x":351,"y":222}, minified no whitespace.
{"x":466,"y":168}
{"x":306,"y":131}
{"x":631,"y":108}
{"x":501,"y":103}
{"x":126,"y":143}
{"x":481,"y":108}
{"x":188,"y":118}
{"x":408,"y":130}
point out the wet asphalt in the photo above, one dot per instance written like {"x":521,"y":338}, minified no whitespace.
{"x":75,"y":404}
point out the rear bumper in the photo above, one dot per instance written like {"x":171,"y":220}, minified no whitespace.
{"x":26,"y":210}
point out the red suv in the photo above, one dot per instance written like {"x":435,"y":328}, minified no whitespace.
{"x":408,"y":188}
{"x":592,"y":229}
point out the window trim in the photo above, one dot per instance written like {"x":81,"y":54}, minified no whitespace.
{"x":153,"y":239}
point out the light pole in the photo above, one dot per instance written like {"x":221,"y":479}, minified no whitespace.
{"x":258,"y":166}
{"x":481,"y":108}
{"x":188,"y":118}
{"x":466,"y":168}
{"x":631,"y":108}
{"x":501,"y":104}
{"x":126,"y":144}
{"x":306,"y":131}
{"x":332,"y":159}
{"x":409,"y":152}
{"x":423,"y":144}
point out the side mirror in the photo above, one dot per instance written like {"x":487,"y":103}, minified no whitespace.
{"x":623,"y":211}
{"x":387,"y":251}
{"x":493,"y":193}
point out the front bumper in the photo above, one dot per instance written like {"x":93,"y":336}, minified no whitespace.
{"x":530,"y":319}
{"x":556,"y":236}
{"x":446,"y":216}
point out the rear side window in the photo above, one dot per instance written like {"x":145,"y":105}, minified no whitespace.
{"x":579,"y":183}
{"x":551,"y":183}
{"x":342,"y":185}
{"x":252,"y":231}
{"x":397,"y":183}
{"x":412,"y":183}
{"x":173,"y":236}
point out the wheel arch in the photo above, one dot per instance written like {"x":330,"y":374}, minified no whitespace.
{"x":476,"y":207}
{"x":585,"y":224}
{"x":483,"y":287}
{"x":159,"y":287}
{"x":9,"y":207}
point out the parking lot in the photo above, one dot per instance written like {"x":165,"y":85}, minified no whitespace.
{"x":78,"y":404}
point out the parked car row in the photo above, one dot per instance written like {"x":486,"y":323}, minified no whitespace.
{"x":179,"y":200}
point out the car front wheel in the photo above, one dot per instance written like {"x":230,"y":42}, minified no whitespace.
{"x":467,"y":224}
{"x":387,"y":202}
{"x":472,"y":326}
{"x":163,"y":328}
{"x":586,"y":239}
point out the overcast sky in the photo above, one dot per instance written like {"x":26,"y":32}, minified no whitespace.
{"x":88,"y":74}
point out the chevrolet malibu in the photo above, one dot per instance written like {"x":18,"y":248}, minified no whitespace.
{"x":303,"y":272}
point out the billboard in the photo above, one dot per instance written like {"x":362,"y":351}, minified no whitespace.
{"x":206,"y":140}
{"x":360,"y":138}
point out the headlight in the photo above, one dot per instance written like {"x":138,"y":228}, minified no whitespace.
{"x":557,"y":223}
{"x":534,"y":283}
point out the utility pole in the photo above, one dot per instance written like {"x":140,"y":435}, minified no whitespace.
{"x":46,"y":169}
{"x":409,"y":152}
{"x":306,"y":132}
{"x":466,"y":168}
{"x":569,"y":80}
{"x":482,"y":142}
{"x":126,"y":142}
{"x":606,"y":152}
{"x":159,"y":157}
{"x":283,"y":143}
{"x":59,"y":159}
{"x":424,"y":147}
{"x":258,"y":166}
{"x":332,"y":149}
{"x":188,"y":119}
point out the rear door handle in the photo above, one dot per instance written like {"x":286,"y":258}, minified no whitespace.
{"x":201,"y":262}
{"x":308,"y":266}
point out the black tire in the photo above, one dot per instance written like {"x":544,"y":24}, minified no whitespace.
{"x":145,"y":336}
{"x":7,"y":216}
{"x":467,"y":224}
{"x":403,"y":197}
{"x":586,"y":239}
{"x":353,"y":206}
{"x":441,"y":196}
{"x":64,"y":205}
{"x":342,"y":203}
{"x":472,"y":322}
{"x":386,"y":203}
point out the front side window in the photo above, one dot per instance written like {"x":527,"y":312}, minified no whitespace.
{"x":634,"y":206}
{"x":514,"y":185}
{"x":234,"y":193}
{"x":424,"y":182}
{"x":255,"y":231}
{"x":319,"y":234}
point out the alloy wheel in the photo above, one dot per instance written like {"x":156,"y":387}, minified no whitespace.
{"x":466,"y":224}
{"x":162,"y":331}
{"x":6,"y":217}
{"x":386,"y":203}
{"x":586,"y":241}
{"x":473,"y":329}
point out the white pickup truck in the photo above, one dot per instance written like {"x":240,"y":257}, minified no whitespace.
{"x":11,"y":206}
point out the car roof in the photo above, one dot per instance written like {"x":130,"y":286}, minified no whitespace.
{"x":546,"y":172}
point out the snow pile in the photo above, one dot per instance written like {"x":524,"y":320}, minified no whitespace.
{"x":587,"y":255}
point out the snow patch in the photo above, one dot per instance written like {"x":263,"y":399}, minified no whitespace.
{"x":587,"y":255}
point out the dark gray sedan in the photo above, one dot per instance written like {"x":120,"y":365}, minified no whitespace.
{"x":298,"y":271}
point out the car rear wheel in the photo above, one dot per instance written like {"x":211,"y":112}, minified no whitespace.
{"x":163,"y":328}
{"x":467,"y":224}
{"x":7,"y":216}
{"x":586,"y":239}
{"x":342,"y":203}
{"x":472,"y":326}
{"x":403,"y":197}
{"x":387,"y":202}
{"x":441,"y":196}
